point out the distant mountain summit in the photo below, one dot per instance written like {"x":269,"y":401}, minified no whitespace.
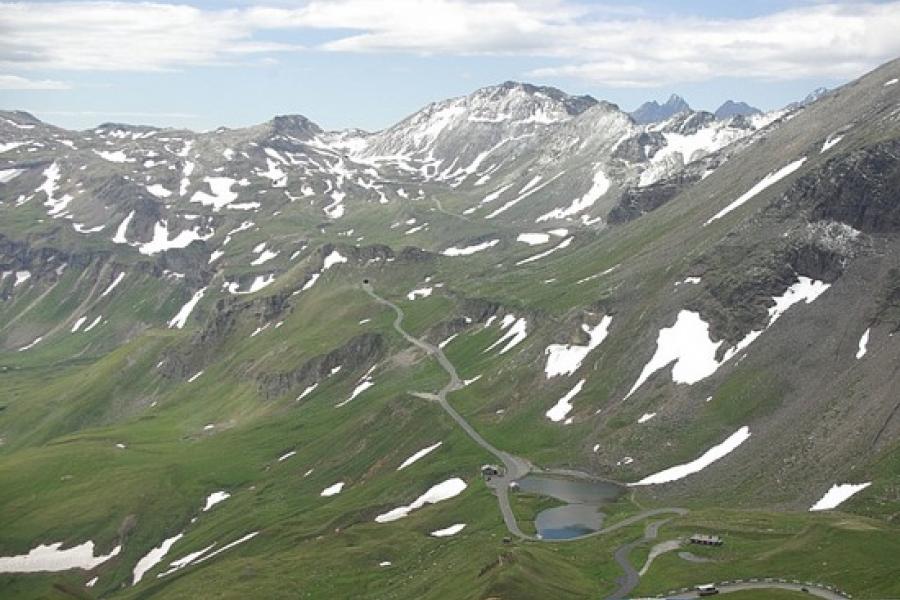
{"x":731,"y":108}
{"x":653,"y":111}
{"x":809,"y":99}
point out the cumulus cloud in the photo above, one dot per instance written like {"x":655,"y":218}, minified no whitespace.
{"x":116,"y":36}
{"x":15,"y":82}
{"x":572,"y":38}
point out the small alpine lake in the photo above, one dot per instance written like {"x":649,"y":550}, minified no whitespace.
{"x":583,"y":497}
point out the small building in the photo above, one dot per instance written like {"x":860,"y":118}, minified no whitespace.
{"x":706,"y":540}
{"x":488,"y":471}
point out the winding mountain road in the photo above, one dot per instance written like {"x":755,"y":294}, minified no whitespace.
{"x":514,"y":466}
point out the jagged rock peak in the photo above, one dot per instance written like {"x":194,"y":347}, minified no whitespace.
{"x":653,"y":111}
{"x":731,"y":108}
{"x":295,"y":125}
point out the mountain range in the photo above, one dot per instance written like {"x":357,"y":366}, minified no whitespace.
{"x":654,"y":112}
{"x":224,"y":355}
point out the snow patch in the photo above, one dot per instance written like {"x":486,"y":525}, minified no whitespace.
{"x":710,"y":456}
{"x":516,"y":332}
{"x":525,"y":192}
{"x":838,"y":494}
{"x":562,"y":408}
{"x":161,"y":241}
{"x":333,"y":490}
{"x":437,"y":493}
{"x":215,"y":498}
{"x":863,"y":344}
{"x":113,"y":285}
{"x":688,"y":345}
{"x":120,"y":238}
{"x":152,"y":558}
{"x":448,"y":531}
{"x":599,"y":187}
{"x":34,"y":343}
{"x":50,"y":558}
{"x":767,"y":181}
{"x":359,"y":389}
{"x":7,"y":175}
{"x":309,"y":390}
{"x":180,"y":319}
{"x":533,"y":239}
{"x":830,"y":143}
{"x":565,"y":359}
{"x":417,"y":455}
{"x":21,"y":277}
{"x":258,"y":283}
{"x":420,"y":293}
{"x":560,"y":246}
{"x":455,"y":251}
{"x":221,"y":195}
{"x":158,"y":190}
{"x":117,"y":156}
{"x":646,"y":417}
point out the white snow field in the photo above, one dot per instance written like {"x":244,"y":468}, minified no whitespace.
{"x":688,"y":345}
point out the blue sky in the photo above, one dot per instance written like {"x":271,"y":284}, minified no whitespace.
{"x":367,"y":63}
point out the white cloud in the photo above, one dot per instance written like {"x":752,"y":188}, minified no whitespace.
{"x":14,"y":82}
{"x":579,"y":39}
{"x":830,"y":40}
{"x":118,"y":113}
{"x":117,"y":36}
